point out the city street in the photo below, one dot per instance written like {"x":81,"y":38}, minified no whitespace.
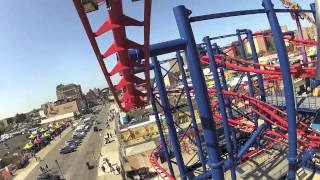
{"x":73,"y":165}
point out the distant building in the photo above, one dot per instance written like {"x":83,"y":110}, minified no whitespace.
{"x":70,"y":92}
{"x":263,"y":44}
{"x":92,"y":98}
{"x":55,"y":109}
{"x":309,"y":33}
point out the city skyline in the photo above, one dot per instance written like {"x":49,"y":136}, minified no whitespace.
{"x":43,"y":44}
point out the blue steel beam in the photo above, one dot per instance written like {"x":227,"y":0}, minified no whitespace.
{"x":228,"y":102}
{"x":162,"y":137}
{"x":250,"y":83}
{"x":169,"y":120}
{"x":242,"y":151}
{"x":201,"y":93}
{"x":244,"y":12}
{"x":224,"y":36}
{"x":191,"y":110}
{"x":303,"y":50}
{"x":159,"y":49}
{"x":256,"y":60}
{"x":222,"y":106}
{"x":288,"y":87}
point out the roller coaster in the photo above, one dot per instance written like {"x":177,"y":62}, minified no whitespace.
{"x":266,"y":125}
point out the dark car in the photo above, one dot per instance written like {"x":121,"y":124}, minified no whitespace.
{"x":96,"y":129}
{"x":74,"y":141}
{"x":68,"y":149}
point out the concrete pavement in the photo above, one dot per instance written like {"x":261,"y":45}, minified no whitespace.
{"x":23,"y":173}
{"x":72,"y":165}
{"x":110,"y":151}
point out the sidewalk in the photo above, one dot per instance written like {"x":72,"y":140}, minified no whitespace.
{"x":22,"y":173}
{"x":110,"y":151}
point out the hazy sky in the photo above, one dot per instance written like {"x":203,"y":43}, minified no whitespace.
{"x":43,"y":43}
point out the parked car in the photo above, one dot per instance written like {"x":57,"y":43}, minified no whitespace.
{"x":74,"y":141}
{"x":96,"y":129}
{"x":68,"y":148}
{"x":79,"y":135}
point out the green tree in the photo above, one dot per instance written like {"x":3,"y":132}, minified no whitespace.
{"x":261,"y":53}
{"x":10,"y":120}
{"x":2,"y":127}
{"x":20,"y":118}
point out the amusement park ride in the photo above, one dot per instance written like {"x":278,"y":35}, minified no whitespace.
{"x":217,"y":107}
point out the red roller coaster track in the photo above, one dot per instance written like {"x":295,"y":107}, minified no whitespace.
{"x":306,"y":138}
{"x":130,"y":97}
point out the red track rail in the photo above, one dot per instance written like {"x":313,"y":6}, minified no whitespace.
{"x":298,"y":71}
{"x":130,"y":97}
{"x":267,"y":112}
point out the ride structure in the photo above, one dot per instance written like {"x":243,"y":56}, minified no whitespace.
{"x":217,"y":108}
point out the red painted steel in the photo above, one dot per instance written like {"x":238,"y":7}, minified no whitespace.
{"x":129,"y":96}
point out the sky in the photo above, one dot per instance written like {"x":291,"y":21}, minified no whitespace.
{"x":43,"y":43}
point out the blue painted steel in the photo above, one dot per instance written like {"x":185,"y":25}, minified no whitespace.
{"x":288,"y":88}
{"x":316,"y":14}
{"x":306,"y":157}
{"x":169,"y":120}
{"x":227,"y":164}
{"x":240,"y":13}
{"x":224,"y":36}
{"x":191,"y":110}
{"x":159,"y":49}
{"x":251,"y":140}
{"x":256,"y":60}
{"x":313,"y":10}
{"x":228,"y":104}
{"x":222,"y":107}
{"x":300,"y":35}
{"x":201,"y":94}
{"x":250,"y":83}
{"x":162,"y":137}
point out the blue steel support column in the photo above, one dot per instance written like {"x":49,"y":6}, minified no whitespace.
{"x":303,"y":50}
{"x":222,"y":107}
{"x":315,"y":7}
{"x":228,"y":102}
{"x":230,"y":114}
{"x":169,"y":120}
{"x":193,"y":117}
{"x":256,"y":60}
{"x":250,"y":83}
{"x":242,"y":151}
{"x":201,"y":93}
{"x":288,"y":88}
{"x":162,"y":138}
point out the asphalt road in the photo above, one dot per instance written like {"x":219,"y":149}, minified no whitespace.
{"x":73,"y":165}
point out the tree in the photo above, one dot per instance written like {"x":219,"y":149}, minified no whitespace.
{"x":261,"y":53}
{"x":10,"y":120}
{"x":2,"y":127}
{"x":20,"y":118}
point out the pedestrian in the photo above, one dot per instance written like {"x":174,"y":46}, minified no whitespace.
{"x":41,"y":169}
{"x":36,"y":157}
{"x":118,"y":169}
{"x":112,"y":169}
{"x":88,"y":165}
{"x":103,"y":168}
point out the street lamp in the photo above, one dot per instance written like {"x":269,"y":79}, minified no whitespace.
{"x":89,"y":5}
